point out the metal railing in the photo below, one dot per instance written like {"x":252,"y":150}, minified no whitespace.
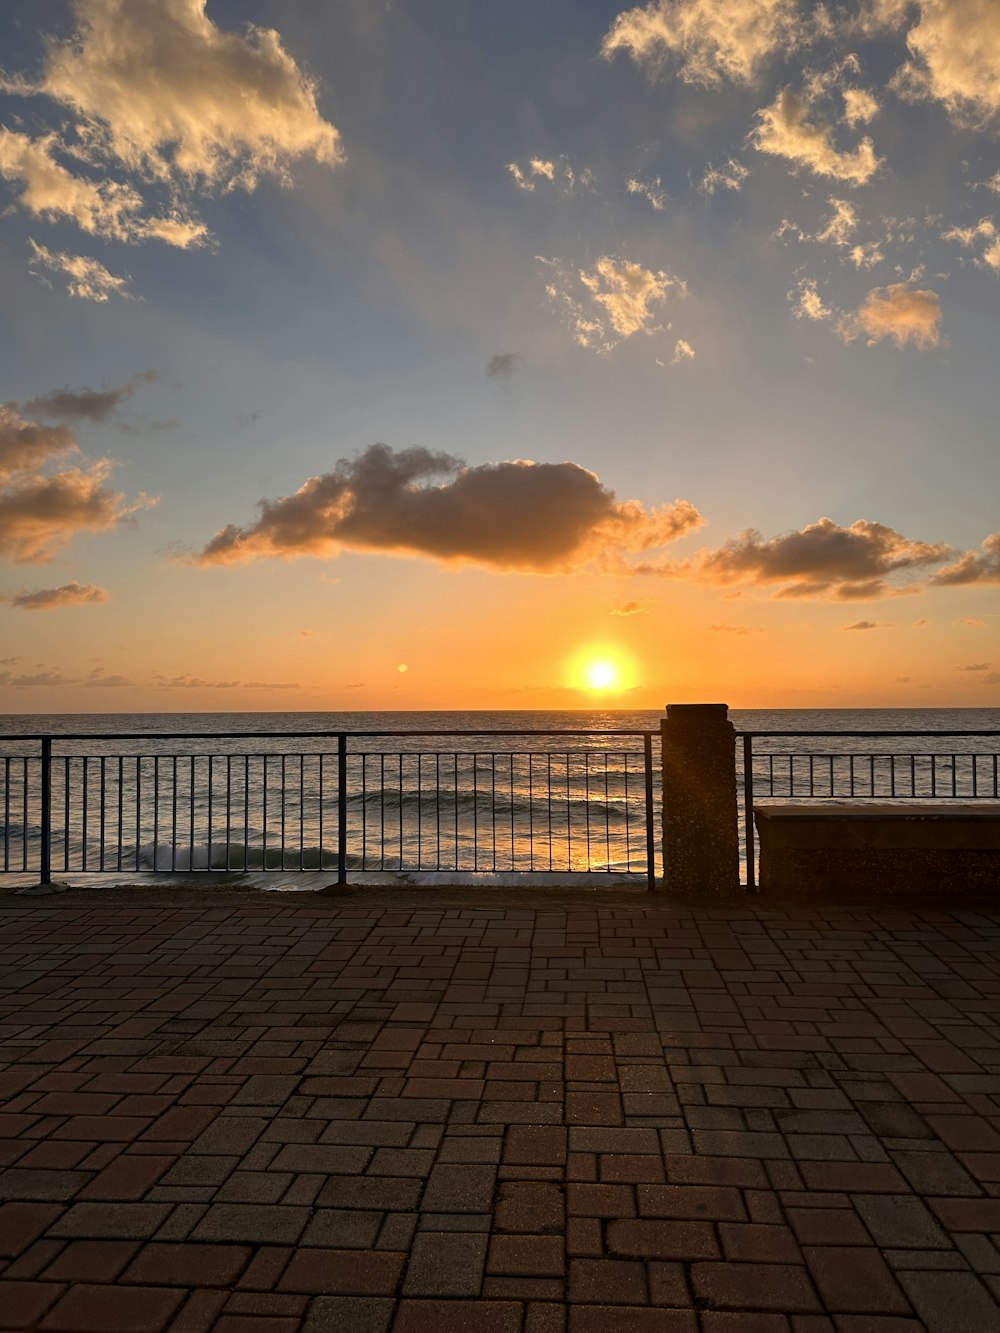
{"x":339,"y":801}
{"x":939,"y":770}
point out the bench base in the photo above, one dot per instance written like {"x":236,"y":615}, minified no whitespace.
{"x":879,"y":849}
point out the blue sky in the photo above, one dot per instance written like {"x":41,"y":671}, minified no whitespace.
{"x":738,"y":256}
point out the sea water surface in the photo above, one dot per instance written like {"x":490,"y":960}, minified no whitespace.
{"x":179,"y":792}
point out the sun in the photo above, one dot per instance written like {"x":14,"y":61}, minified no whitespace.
{"x":601,"y":674}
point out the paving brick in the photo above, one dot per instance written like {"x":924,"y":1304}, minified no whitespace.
{"x":343,"y":1272}
{"x":691,"y":1201}
{"x":900,"y":1221}
{"x":952,"y":1302}
{"x":529,"y":1206}
{"x":630,"y":1319}
{"x":759,"y":1244}
{"x":445,"y":1264}
{"x":110,"y":1221}
{"x":105,"y":1309}
{"x":356,"y":1314}
{"x":126,"y":1178}
{"x":22,"y":1223}
{"x":159,"y":1264}
{"x":527,"y":1256}
{"x":968,"y":1214}
{"x":605,"y":1281}
{"x":265,"y":1224}
{"x":855,"y":1279}
{"x":535,"y":1145}
{"x":732,"y":1286}
{"x":427,"y":1316}
{"x":459,"y":1189}
{"x":662,"y":1240}
{"x":91,"y":1261}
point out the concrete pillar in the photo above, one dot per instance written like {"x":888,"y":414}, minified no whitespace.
{"x":700,"y":831}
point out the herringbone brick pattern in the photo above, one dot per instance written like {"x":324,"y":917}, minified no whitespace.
{"x":273,"y":1113}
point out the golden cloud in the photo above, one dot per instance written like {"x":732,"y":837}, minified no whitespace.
{"x":784,"y":131}
{"x":823,"y":559}
{"x":519,"y":516}
{"x":900,"y":312}
{"x":86,"y":278}
{"x":982,"y":566}
{"x":955,"y":49}
{"x":49,"y":599}
{"x":710,"y":40}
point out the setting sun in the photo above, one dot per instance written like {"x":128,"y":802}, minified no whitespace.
{"x":602,"y":675}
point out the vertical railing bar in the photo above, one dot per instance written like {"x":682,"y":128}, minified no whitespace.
{"x":138,"y":808}
{"x":84,"y":814}
{"x":531,"y":813}
{"x":302,"y":811}
{"x":45,"y":848}
{"x":569,"y":804}
{"x":342,"y":808}
{"x":66,"y":810}
{"x":173,"y":814}
{"x":748,"y":799}
{"x":454,"y":765}
{"x":263,"y":812}
{"x":647,"y":758}
{"x":6,"y":813}
{"x":121,"y":808}
{"x":548,"y":789}
{"x":283,"y":811}
{"x":229,"y":807}
{"x":24,"y":817}
{"x":156,"y":808}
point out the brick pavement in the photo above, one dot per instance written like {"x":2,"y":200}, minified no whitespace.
{"x":260,"y":1114}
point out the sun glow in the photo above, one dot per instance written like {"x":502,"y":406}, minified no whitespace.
{"x":602,"y":675}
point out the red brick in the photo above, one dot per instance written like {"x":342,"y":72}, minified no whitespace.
{"x":583,"y":1200}
{"x":855,"y":1279}
{"x":535,"y":1145}
{"x":458,"y":1317}
{"x":662,"y":1240}
{"x":631,"y":1167}
{"x":607,"y":1280}
{"x":126,"y":1178}
{"x":630,"y":1319}
{"x":691,"y":1201}
{"x":759,"y":1243}
{"x":22,"y":1223}
{"x":527,"y":1256}
{"x":782,"y":1287}
{"x":24,"y":1303}
{"x":265,"y":1268}
{"x":722,"y":1321}
{"x":343,"y":1272}
{"x":182,"y":1265}
{"x":594,"y":1108}
{"x":968,"y":1214}
{"x":91,"y":1261}
{"x":102,"y":1129}
{"x":855,"y":1177}
{"x":969,"y":1133}
{"x":114,"y":1310}
{"x":827,"y":1226}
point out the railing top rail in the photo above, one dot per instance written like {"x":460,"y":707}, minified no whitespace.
{"x":318,"y":735}
{"x":910,"y":731}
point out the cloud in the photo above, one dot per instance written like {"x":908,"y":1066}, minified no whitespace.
{"x":630,"y":608}
{"x":30,"y":681}
{"x":866,"y":254}
{"x":502,"y":365}
{"x":900,"y":312}
{"x":809,"y":302}
{"x":683,"y":351}
{"x":871,"y":624}
{"x":728,"y":177}
{"x":48,"y":599}
{"x":709,"y":40}
{"x":87,"y":278}
{"x":525,"y":516}
{"x":541,"y":169}
{"x":841,"y":223}
{"x":104,"y":208}
{"x":100,"y":678}
{"x":982,"y":566}
{"x":859,"y":106}
{"x":955,"y":50}
{"x":971,"y":622}
{"x":784,"y":131}
{"x":26,"y":445}
{"x":188,"y":682}
{"x":40,"y":515}
{"x":652,"y":191}
{"x":95,"y":405}
{"x":619,"y":296}
{"x":985,"y":231}
{"x":156,"y":87}
{"x":739,"y":630}
{"x":975,"y":666}
{"x":822,"y":559}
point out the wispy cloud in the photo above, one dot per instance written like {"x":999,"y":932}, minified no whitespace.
{"x":49,"y":599}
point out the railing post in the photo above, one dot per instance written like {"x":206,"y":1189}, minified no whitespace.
{"x":342,"y":808}
{"x":701,"y":847}
{"x":748,"y":812}
{"x":46,"y":816}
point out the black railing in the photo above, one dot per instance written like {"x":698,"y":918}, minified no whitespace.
{"x":917,"y":766}
{"x":337,"y":801}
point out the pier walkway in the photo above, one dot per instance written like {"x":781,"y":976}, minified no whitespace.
{"x":496,"y":1112}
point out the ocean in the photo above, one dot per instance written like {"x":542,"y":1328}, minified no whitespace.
{"x":501,"y":805}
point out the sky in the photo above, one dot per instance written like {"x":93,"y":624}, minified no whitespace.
{"x":397,"y":354}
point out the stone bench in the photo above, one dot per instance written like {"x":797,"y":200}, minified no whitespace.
{"x":879,"y":848}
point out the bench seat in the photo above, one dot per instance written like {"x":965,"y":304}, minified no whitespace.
{"x":879,"y":848}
